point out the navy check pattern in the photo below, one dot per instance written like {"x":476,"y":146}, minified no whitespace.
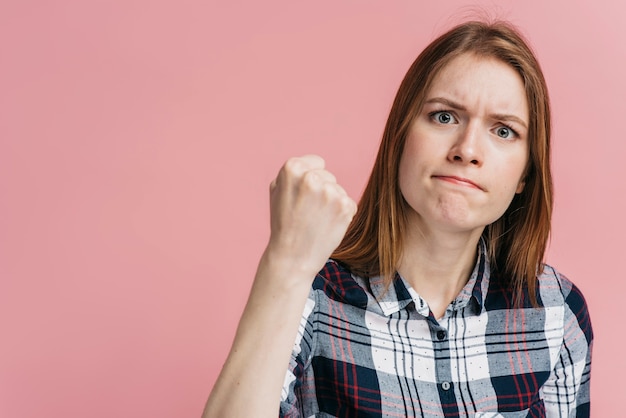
{"x":361,"y":352}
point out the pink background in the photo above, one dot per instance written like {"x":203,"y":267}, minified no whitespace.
{"x":137,"y":142}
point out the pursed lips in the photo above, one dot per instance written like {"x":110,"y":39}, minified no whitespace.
{"x":459,"y":180}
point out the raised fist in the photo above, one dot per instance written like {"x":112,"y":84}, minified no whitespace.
{"x":310,"y":213}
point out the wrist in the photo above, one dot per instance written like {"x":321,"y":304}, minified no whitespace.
{"x":291,"y":267}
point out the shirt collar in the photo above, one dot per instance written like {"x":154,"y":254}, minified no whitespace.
{"x":400,"y":294}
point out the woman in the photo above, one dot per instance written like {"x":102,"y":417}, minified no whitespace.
{"x":436,"y":302}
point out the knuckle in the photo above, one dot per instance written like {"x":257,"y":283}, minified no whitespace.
{"x":293,"y":165}
{"x":345,"y":205}
{"x":314,"y":160}
{"x":329,"y":176}
{"x":310,"y":179}
{"x":349,"y":206}
{"x":330,"y":194}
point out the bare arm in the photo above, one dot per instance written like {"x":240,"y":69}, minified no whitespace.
{"x":310,"y":213}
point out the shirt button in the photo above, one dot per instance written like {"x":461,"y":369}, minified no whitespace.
{"x":445,"y":386}
{"x":441,"y":335}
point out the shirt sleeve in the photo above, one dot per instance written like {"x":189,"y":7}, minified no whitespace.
{"x":294,"y":387}
{"x":566,"y":393}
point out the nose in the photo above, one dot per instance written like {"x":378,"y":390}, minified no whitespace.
{"x":466,"y":148}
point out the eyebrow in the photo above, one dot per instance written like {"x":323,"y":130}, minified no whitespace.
{"x":457,"y":106}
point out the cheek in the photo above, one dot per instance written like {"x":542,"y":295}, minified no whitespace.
{"x":513,"y":169}
{"x":413,"y":165}
{"x":514,"y":175}
{"x":416,"y":152}
{"x":405,"y":175}
{"x":407,"y":166}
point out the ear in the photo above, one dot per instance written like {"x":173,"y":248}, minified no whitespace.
{"x":520,"y":187}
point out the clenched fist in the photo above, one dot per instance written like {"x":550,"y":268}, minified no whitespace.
{"x":310,"y":213}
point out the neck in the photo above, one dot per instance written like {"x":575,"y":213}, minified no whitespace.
{"x":437,"y":264}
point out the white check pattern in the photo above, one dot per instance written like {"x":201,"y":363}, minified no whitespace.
{"x":361,"y":352}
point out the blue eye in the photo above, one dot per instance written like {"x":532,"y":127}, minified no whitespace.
{"x":505,"y":132}
{"x":443,"y":117}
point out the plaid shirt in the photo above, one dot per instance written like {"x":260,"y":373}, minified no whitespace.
{"x":361,"y":352}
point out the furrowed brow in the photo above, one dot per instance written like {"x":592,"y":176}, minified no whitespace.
{"x":447,"y":102}
{"x":511,"y":118}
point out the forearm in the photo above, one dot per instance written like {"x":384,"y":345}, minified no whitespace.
{"x":309,"y":215}
{"x":254,"y":372}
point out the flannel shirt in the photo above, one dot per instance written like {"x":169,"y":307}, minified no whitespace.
{"x":361,"y":352}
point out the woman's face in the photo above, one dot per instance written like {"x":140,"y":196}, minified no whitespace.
{"x":467,"y":150}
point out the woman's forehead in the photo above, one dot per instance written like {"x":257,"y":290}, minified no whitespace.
{"x":477,"y":82}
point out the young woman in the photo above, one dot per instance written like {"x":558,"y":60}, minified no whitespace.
{"x":436,"y":301}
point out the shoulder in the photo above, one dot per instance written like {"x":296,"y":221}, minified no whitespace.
{"x":557,"y":289}
{"x":337,"y":283}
